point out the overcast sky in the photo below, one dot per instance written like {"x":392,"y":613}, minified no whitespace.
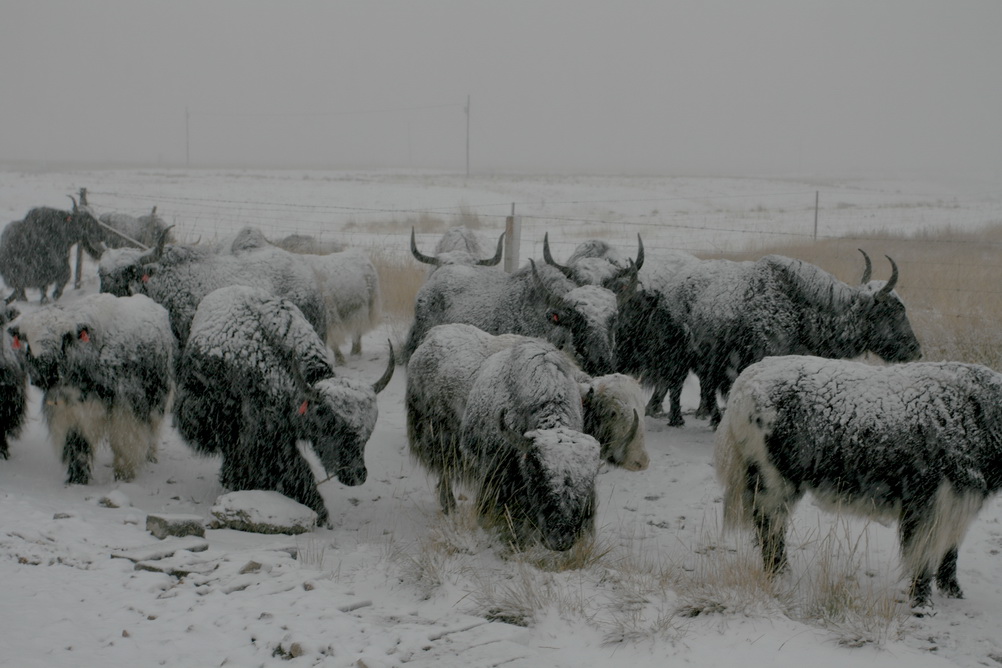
{"x":736,"y":87}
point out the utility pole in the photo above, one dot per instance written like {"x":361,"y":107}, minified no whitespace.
{"x":187,"y":138}
{"x":467,"y":135}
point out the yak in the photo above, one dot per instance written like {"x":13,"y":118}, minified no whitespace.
{"x":35,"y":251}
{"x":105,"y":366}
{"x":254,"y":381}
{"x":920,"y":443}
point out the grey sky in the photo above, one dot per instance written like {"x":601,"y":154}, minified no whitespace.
{"x":789,"y":87}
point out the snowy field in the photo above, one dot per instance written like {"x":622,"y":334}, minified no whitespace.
{"x":393,"y":583}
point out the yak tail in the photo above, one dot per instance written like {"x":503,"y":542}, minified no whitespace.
{"x":736,"y":471}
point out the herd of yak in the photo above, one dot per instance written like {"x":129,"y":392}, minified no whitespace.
{"x":519,"y":385}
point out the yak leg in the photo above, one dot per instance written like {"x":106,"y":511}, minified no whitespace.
{"x":296,"y":481}
{"x":356,"y":344}
{"x":913,"y":522}
{"x":653,"y":408}
{"x":946,"y":576}
{"x":770,"y":512}
{"x":77,"y":455}
{"x":338,"y":356}
{"x":4,"y":448}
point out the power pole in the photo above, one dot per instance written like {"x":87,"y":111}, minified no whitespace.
{"x":467,"y":135}
{"x":187,"y":138}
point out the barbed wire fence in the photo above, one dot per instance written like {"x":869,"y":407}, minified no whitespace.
{"x":715,"y":224}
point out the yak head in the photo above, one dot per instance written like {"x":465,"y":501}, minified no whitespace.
{"x":559,"y":467}
{"x":888,"y":332}
{"x":47,"y":338}
{"x":458,"y":246}
{"x":595,"y":262}
{"x":337,"y":416}
{"x":612,"y":407}
{"x":583,"y":321}
{"x":123,"y":271}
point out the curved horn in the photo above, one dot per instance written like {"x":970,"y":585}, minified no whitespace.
{"x":868,"y":269}
{"x":381,"y":384}
{"x":74,"y":200}
{"x":158,"y":250}
{"x":891,"y":282}
{"x":633,"y":430}
{"x":551,"y":298}
{"x":497,"y":256}
{"x":421,"y":257}
{"x":549,"y":258}
{"x":640,"y":252}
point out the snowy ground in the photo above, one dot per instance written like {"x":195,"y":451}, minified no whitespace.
{"x":379,"y":588}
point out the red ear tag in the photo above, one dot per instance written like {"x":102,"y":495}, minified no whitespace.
{"x":17,"y":343}
{"x":555,"y":317}
{"x":303,"y":406}
{"x":84,"y":336}
{"x":146,"y":278}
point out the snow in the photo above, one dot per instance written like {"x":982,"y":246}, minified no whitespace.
{"x":394,"y":583}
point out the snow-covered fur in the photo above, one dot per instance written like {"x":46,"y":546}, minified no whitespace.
{"x":459,"y":245}
{"x":179,"y":276}
{"x":306,"y":244}
{"x":35,"y":251}
{"x":145,"y":229}
{"x":347,"y":281}
{"x":534,"y":301}
{"x":596,"y":262}
{"x":105,"y":365}
{"x":441,"y":373}
{"x":613,"y":409}
{"x":651,"y":344}
{"x":13,"y":385}
{"x":920,"y":443}
{"x":532,"y":466}
{"x":254,"y":380}
{"x":737,"y":313}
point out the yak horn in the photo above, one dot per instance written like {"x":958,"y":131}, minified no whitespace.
{"x":497,"y":256}
{"x":633,"y":430}
{"x":868,"y":269}
{"x":891,"y":282}
{"x":549,"y":258}
{"x":421,"y":257}
{"x":381,"y":384}
{"x":158,"y":251}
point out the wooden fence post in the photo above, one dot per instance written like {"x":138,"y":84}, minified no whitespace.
{"x":77,"y":273}
{"x":512,"y":239}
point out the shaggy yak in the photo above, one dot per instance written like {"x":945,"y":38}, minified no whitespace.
{"x":254,"y":381}
{"x":920,"y":443}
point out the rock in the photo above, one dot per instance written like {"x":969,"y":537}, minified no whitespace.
{"x":162,"y":550}
{"x":163,"y":525}
{"x":262,"y":512}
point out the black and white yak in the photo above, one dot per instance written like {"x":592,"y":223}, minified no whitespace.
{"x":179,"y":276}
{"x":441,"y":373}
{"x":255,"y":381}
{"x":459,"y":245}
{"x":652,"y":342}
{"x":737,"y":313}
{"x":534,"y":301}
{"x":13,"y":384}
{"x":105,"y":365}
{"x":920,"y":443}
{"x":530,"y":462}
{"x":35,"y":251}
